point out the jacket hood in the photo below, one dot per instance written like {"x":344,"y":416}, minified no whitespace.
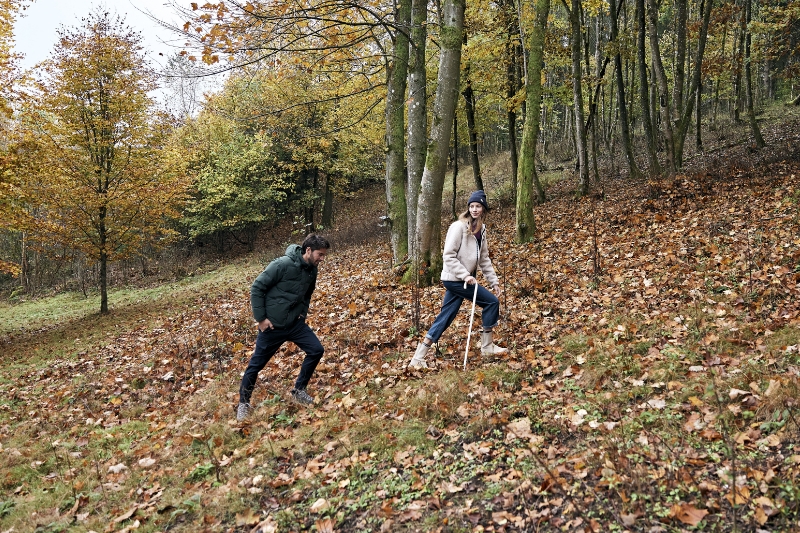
{"x":295,"y":253}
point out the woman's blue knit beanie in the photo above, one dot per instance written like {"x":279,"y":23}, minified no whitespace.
{"x":480,"y":197}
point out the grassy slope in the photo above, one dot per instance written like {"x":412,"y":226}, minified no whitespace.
{"x":633,"y":397}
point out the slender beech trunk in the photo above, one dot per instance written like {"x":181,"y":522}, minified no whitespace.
{"x":717,"y":83}
{"x":469,"y":108}
{"x":327,"y":205}
{"x":593,"y":98}
{"x":680,"y":57}
{"x":395,"y":135}
{"x":512,"y":85}
{"x":577,"y":98}
{"x":24,"y":267}
{"x":696,"y":82}
{"x":530,"y":190}
{"x":698,"y":136}
{"x":660,"y":75}
{"x":633,"y":169}
{"x":455,"y":167}
{"x":102,"y":233}
{"x":738,"y":63}
{"x":748,"y":81}
{"x":417,"y":116}
{"x":429,"y":210}
{"x":644,"y":91}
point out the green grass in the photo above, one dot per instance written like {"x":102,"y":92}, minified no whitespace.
{"x":31,"y":315}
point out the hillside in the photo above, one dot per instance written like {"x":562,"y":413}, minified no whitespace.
{"x":651,"y":384}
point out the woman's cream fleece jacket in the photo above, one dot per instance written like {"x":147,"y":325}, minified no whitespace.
{"x":462,"y":256}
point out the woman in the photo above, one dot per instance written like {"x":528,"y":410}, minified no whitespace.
{"x":465,"y":250}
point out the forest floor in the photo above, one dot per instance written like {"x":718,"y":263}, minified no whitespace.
{"x":652,"y":384}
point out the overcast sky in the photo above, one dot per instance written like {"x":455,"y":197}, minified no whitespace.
{"x":35,"y":31}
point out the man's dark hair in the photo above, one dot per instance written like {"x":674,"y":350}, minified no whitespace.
{"x":315,"y":242}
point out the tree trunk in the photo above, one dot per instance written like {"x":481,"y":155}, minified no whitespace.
{"x":530,"y":190}
{"x":512,"y":85}
{"x":660,"y":75}
{"x":327,"y":205}
{"x":469,"y":107}
{"x":395,"y":135}
{"x":698,"y":136}
{"x":633,"y":169}
{"x":429,"y":213}
{"x":594,"y":96}
{"x":455,"y":167}
{"x":748,"y":82}
{"x":716,"y":85}
{"x":696,"y":83}
{"x":680,"y":58}
{"x":577,"y":99}
{"x":310,"y":181}
{"x":417,"y":116}
{"x":738,"y":67}
{"x":24,"y":267}
{"x":102,"y":233}
{"x":644,"y":90}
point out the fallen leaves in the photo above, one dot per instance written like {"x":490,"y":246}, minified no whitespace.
{"x":319,"y":506}
{"x":610,"y":387}
{"x":688,"y":514}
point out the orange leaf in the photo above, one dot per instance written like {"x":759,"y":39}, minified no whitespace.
{"x":691,"y":515}
{"x":324,"y":525}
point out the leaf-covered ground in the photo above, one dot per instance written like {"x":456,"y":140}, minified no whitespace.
{"x":651,"y":385}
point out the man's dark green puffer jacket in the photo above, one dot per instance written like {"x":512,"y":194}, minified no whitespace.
{"x":282,"y":292}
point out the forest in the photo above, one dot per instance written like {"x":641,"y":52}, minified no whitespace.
{"x":641,"y":158}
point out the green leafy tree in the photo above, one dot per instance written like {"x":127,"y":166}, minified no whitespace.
{"x":277,"y":142}
{"x":235,"y":191}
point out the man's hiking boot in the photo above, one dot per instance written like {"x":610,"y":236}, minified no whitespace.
{"x":488,"y":347}
{"x":243,"y":411}
{"x":418,"y":361}
{"x":302,"y":397}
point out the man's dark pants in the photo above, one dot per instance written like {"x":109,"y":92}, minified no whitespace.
{"x":268,"y":342}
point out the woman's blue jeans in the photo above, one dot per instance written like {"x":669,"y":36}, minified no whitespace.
{"x":455,"y":294}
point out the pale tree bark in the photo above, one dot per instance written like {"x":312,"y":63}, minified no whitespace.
{"x":472,"y":129}
{"x":103,"y":259}
{"x":644,"y":90}
{"x":739,"y":39}
{"x":395,"y":135}
{"x":417,"y":117}
{"x":682,"y":15}
{"x":698,"y":131}
{"x":694,"y":87}
{"x":512,"y":85}
{"x":454,"y":158}
{"x":748,"y":81}
{"x":577,"y":97}
{"x":660,"y":75}
{"x":530,"y":191}
{"x":633,"y":169}
{"x":469,"y":111}
{"x":429,"y":207}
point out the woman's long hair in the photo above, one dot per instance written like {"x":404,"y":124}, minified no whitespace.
{"x":474,"y":223}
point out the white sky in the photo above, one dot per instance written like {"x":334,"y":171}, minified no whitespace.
{"x":35,"y":31}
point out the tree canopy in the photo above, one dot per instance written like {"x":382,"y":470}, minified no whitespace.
{"x":105,"y":183}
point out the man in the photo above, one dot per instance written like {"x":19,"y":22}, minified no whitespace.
{"x":280,"y":297}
